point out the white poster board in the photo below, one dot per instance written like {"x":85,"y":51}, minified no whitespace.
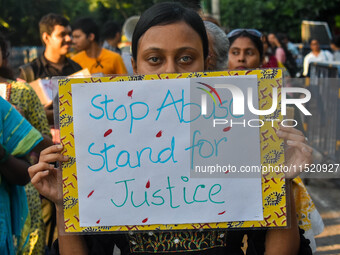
{"x":134,"y":162}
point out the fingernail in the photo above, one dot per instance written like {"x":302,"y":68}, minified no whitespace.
{"x":59,"y":146}
{"x":290,"y":142}
{"x":51,"y":166}
{"x":279,"y":132}
{"x":66,"y":157}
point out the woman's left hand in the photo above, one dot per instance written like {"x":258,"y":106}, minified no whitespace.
{"x":298,"y":153}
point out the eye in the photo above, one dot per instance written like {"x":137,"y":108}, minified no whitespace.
{"x":235,"y":52}
{"x":250,"y":53}
{"x":185,"y":59}
{"x":153,"y":60}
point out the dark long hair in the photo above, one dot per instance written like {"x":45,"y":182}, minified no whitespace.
{"x":168,"y":13}
{"x":290,"y":63}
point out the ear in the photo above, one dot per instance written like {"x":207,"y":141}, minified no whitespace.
{"x":134,"y":66}
{"x":91,"y":37}
{"x":45,"y":37}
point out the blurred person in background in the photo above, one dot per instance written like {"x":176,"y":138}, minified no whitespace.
{"x":316,"y":54}
{"x":269,"y":60}
{"x":218,"y":47}
{"x":276,"y":46}
{"x":282,"y":54}
{"x":207,"y":17}
{"x":111,"y":36}
{"x":335,"y":46}
{"x":290,"y":63}
{"x":290,"y":46}
{"x":55,"y":34}
{"x":90,"y":54}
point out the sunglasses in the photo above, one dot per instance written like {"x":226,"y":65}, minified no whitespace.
{"x":250,"y":31}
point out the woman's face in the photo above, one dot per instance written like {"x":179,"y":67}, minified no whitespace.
{"x":173,"y":48}
{"x":243,"y":54}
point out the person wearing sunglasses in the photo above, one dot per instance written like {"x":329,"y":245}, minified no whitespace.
{"x":246,"y":50}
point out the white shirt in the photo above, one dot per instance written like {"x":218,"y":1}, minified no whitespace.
{"x":324,"y":55}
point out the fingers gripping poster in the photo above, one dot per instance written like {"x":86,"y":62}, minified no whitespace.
{"x":169,"y":152}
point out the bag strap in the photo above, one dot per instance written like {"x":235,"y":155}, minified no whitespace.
{"x":27,"y":72}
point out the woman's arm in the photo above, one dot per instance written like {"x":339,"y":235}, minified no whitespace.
{"x":284,"y":241}
{"x":13,"y":169}
{"x":297,"y":154}
{"x":68,"y":243}
{"x":47,"y":180}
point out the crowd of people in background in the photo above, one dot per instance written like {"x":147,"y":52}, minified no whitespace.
{"x":98,"y":50}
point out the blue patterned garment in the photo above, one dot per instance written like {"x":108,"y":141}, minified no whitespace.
{"x":18,"y":137}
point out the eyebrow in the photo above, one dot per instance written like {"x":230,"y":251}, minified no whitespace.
{"x":237,"y":48}
{"x":160,"y":49}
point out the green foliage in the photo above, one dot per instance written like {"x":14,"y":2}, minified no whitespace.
{"x":274,"y":15}
{"x":21,"y":17}
{"x":337,"y":21}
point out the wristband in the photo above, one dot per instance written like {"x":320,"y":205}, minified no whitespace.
{"x":4,"y":154}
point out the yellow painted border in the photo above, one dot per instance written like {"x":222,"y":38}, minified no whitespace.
{"x":273,"y":185}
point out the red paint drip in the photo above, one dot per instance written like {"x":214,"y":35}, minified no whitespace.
{"x":159,"y":134}
{"x":98,"y":221}
{"x":145,"y":220}
{"x":108,"y":132}
{"x":130,"y":93}
{"x":248,"y":72}
{"x":147,"y":184}
{"x":226,"y":172}
{"x":226,"y":129}
{"x":90,"y":194}
{"x":221,"y":213}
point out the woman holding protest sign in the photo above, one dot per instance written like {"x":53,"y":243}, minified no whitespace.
{"x":168,"y":39}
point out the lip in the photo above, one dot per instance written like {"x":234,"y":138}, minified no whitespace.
{"x":241,"y":67}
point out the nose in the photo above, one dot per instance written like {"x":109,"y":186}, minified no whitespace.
{"x":241,"y":57}
{"x":170,"y":66}
{"x":68,"y":38}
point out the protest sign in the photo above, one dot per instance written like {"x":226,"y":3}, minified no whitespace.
{"x":44,"y":87}
{"x":140,"y":149}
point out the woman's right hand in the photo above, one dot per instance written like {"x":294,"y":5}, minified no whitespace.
{"x":45,"y":177}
